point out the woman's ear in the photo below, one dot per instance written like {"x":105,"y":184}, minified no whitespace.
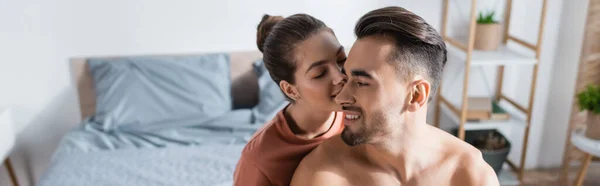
{"x":419,"y":95}
{"x":289,"y":90}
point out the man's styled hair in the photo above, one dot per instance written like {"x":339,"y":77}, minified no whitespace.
{"x":419,"y":47}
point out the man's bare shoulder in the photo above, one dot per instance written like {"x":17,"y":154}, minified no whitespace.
{"x":470,"y":168}
{"x":320,"y":167}
{"x":329,"y":151}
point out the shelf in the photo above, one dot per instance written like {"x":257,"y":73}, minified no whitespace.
{"x":516,"y":119}
{"x":505,"y":55}
{"x":502,"y":56}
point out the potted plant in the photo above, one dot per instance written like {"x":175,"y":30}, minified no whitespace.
{"x":493,"y":145}
{"x":589,"y":100}
{"x":487,"y":32}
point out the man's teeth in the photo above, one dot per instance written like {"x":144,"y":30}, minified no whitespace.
{"x":352,"y":117}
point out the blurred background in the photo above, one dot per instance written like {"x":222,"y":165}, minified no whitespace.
{"x":38,"y":38}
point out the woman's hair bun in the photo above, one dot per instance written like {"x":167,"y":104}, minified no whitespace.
{"x":264,"y":28}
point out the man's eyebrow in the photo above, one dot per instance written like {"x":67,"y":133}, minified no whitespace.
{"x":361,"y":73}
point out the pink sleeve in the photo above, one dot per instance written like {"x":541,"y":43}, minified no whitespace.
{"x":247,"y":174}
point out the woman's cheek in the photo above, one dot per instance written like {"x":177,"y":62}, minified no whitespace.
{"x":319,"y":91}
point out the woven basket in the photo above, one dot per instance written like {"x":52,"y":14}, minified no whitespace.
{"x":593,"y":126}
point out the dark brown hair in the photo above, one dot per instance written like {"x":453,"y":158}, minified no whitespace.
{"x":419,"y":47}
{"x":277,"y":39}
{"x":264,"y":27}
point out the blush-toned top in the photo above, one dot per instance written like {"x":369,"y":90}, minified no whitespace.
{"x":274,"y":152}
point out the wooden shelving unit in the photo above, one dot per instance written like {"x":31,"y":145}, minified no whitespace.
{"x":504,"y":56}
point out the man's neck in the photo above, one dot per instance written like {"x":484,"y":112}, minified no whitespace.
{"x":407,"y":151}
{"x":307,"y":123}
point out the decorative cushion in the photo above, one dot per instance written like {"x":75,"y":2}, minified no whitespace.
{"x":244,"y":90}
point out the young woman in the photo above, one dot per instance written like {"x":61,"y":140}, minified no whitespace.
{"x":305,"y":58}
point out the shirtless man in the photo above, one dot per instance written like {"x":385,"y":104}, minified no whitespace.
{"x":393,"y":70}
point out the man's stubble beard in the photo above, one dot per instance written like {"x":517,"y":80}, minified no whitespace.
{"x":372,"y":128}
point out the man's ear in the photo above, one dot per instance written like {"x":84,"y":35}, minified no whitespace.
{"x":289,"y":90}
{"x":419,"y":94}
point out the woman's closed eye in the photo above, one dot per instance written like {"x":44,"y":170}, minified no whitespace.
{"x":321,"y":74}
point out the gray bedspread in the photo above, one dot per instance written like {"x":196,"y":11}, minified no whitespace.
{"x":191,"y":165}
{"x":185,"y":151}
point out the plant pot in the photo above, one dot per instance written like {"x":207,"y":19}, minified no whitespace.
{"x":593,"y":126}
{"x":495,"y":158}
{"x":487,"y":36}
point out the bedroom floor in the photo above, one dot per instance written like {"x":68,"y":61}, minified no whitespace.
{"x":545,"y":177}
{"x":550,"y":177}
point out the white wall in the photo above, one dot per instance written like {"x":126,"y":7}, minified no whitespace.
{"x":38,"y":37}
{"x":525,"y":26}
{"x":563,"y":83}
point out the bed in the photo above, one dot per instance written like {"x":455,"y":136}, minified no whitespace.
{"x":163,"y":119}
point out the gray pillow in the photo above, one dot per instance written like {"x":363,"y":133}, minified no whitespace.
{"x":271,"y":100}
{"x":142,"y":90}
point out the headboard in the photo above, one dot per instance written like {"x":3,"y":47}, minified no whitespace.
{"x":241,"y":71}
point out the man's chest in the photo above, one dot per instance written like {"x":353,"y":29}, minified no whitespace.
{"x":366,"y":176}
{"x":382,"y":178}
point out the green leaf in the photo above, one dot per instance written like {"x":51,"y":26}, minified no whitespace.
{"x":486,"y":18}
{"x":589,"y":99}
